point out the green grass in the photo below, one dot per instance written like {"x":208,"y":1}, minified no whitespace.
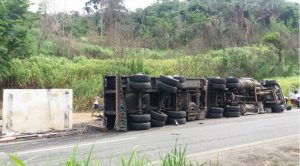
{"x":177,"y":157}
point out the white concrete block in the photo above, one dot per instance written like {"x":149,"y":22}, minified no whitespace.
{"x":36,"y":110}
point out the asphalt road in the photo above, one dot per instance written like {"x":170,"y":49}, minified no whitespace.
{"x":198,"y":136}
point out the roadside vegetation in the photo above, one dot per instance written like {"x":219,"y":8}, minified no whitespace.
{"x":197,"y":38}
{"x":288,"y":84}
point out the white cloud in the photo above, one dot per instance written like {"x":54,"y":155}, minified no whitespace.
{"x":68,"y":5}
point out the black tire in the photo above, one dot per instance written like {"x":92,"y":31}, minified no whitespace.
{"x":156,"y":123}
{"x":140,"y":85}
{"x":176,"y":114}
{"x":277,"y":108}
{"x":160,"y":116}
{"x":232,"y":114}
{"x":216,"y":110}
{"x":180,"y":79}
{"x":135,"y":118}
{"x":179,"y":120}
{"x":218,"y":86}
{"x":167,"y":80}
{"x":166,"y":87}
{"x":232,"y":109}
{"x":214,"y":116}
{"x":233,"y":85}
{"x":271,"y":82}
{"x":139,"y":78}
{"x":139,"y":126}
{"x":232,"y":80}
{"x":181,"y":85}
{"x":217,"y":80}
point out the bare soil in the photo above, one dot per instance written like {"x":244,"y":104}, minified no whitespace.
{"x":83,"y":117}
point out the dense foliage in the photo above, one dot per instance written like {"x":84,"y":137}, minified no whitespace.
{"x":13,"y":33}
{"x":195,"y":38}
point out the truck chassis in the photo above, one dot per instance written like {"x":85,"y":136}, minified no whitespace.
{"x":139,"y":102}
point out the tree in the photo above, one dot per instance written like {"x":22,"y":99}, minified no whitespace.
{"x":278,"y":43}
{"x":109,"y":12}
{"x":14,"y":40}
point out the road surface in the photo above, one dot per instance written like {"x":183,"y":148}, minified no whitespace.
{"x":199,"y":137}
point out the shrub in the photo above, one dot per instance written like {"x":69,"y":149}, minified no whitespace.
{"x":97,"y":51}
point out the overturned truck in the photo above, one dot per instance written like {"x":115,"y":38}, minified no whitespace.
{"x":139,"y":102}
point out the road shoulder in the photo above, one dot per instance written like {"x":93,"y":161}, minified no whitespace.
{"x":280,"y":151}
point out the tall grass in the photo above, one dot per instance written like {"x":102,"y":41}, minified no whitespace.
{"x":176,"y":157}
{"x":135,"y":159}
{"x":85,"y":75}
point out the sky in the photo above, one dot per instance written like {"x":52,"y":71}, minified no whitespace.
{"x":77,"y":5}
{"x":68,"y":5}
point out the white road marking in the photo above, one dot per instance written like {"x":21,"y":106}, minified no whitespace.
{"x":241,"y":146}
{"x":72,"y":146}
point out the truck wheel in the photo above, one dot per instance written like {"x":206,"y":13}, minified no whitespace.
{"x":271,"y":82}
{"x":135,"y":118}
{"x":180,"y":79}
{"x":178,"y":120}
{"x":181,"y":85}
{"x":233,"y":85}
{"x":159,"y":116}
{"x":167,"y":80}
{"x":139,"y":126}
{"x":156,"y":123}
{"x":277,"y":108}
{"x":218,"y":86}
{"x":232,"y":80}
{"x":217,"y":80}
{"x":232,"y":109}
{"x":232,"y":114}
{"x":166,"y":87}
{"x":176,"y":114}
{"x":214,"y":115}
{"x":140,"y":85}
{"x":216,"y":110}
{"x":139,"y":78}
